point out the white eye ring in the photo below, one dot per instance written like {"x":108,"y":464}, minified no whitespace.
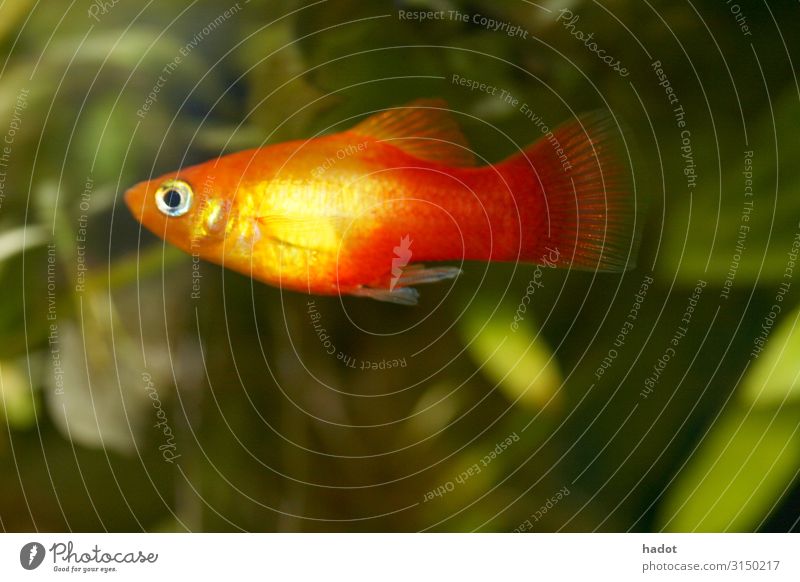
{"x":174,"y":198}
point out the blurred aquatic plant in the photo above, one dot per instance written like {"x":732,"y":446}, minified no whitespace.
{"x":742,"y":468}
{"x":773,"y":380}
{"x":750,"y":456}
{"x":18,"y":399}
{"x":97,"y":400}
{"x":513,"y":356}
{"x":275,"y":434}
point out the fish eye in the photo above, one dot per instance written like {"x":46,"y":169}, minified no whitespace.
{"x":174,"y":198}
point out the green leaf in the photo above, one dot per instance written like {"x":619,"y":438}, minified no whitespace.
{"x":774,"y":378}
{"x":17,"y":240}
{"x":11,"y":15}
{"x":517,"y":359}
{"x":95,"y":394}
{"x":16,"y":397}
{"x":731,"y":483}
{"x":433,"y":412}
{"x":751,"y":235}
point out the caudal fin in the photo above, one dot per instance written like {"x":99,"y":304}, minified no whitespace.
{"x":589,"y":215}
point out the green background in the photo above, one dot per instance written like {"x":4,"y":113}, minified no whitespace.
{"x":274,"y":434}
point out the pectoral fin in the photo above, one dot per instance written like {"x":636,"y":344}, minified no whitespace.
{"x":418,"y":275}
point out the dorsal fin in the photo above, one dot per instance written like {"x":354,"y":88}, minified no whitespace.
{"x":424,"y":128}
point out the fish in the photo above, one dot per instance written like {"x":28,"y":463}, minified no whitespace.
{"x":365,"y":211}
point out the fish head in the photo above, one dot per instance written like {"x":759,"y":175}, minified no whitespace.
{"x":189,"y":208}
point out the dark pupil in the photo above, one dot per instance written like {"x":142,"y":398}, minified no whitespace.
{"x":172,"y":198}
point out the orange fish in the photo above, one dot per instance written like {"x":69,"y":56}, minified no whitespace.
{"x":360,"y":212}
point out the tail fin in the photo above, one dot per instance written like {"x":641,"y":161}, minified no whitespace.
{"x":589,"y":213}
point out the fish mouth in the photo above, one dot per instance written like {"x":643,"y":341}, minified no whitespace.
{"x":134,"y":200}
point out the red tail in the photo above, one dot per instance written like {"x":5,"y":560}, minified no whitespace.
{"x":575,"y":194}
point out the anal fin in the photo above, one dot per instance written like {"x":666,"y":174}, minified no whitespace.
{"x":399,"y":295}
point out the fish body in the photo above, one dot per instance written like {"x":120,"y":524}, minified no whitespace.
{"x":362,"y":211}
